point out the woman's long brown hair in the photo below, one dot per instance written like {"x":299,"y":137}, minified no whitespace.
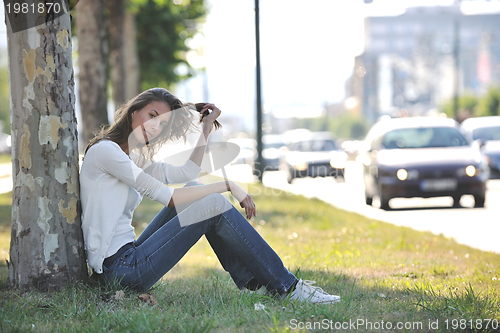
{"x":199,"y":107}
{"x":179,"y":125}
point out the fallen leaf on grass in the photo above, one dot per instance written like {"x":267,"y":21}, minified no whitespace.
{"x":259,"y":306}
{"x":119,"y":295}
{"x":148,"y":299}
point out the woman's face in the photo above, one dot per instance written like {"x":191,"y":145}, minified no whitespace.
{"x":148,"y":122}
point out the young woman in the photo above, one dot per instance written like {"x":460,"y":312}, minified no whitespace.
{"x":118,"y":171}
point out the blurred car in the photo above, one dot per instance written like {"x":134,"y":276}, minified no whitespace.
{"x":271,"y":151}
{"x":5,"y":143}
{"x":313,"y":154}
{"x":486,"y":130}
{"x":248,"y":151}
{"x":422,"y":157}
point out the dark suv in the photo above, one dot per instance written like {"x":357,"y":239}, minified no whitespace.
{"x":422,"y":157}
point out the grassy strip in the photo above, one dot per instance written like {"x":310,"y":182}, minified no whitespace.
{"x":5,"y":158}
{"x":385,"y":275}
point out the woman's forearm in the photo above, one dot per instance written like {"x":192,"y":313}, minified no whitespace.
{"x":206,"y":129}
{"x":199,"y":150}
{"x":194,"y":193}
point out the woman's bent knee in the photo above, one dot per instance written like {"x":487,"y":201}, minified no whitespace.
{"x":208,"y":207}
{"x":215,"y":200}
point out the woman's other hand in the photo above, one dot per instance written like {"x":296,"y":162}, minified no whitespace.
{"x":208,"y":121}
{"x":244,"y":199}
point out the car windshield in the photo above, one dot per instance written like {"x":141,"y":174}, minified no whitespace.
{"x":429,"y":137}
{"x":486,"y":133}
{"x":314,"y":145}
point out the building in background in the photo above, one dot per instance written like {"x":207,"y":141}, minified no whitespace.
{"x":408,"y":64}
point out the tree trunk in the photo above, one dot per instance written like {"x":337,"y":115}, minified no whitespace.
{"x":46,"y":250}
{"x":92,"y":59}
{"x":131,"y":57}
{"x":116,"y":25}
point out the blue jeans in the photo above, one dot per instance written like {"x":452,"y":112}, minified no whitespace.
{"x":238,"y":246}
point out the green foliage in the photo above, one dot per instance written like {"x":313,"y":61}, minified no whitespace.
{"x":163,"y":28}
{"x":344,"y":126}
{"x":348,"y":126}
{"x":381,"y":271}
{"x":470,"y":105}
{"x":489,"y":105}
{"x":466,"y":103}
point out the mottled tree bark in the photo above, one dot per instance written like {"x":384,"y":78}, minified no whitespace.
{"x":46,"y":250}
{"x":116,"y":26}
{"x":131,"y":57}
{"x":92,"y":60}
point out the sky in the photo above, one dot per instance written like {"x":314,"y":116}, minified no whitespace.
{"x":307,"y":50}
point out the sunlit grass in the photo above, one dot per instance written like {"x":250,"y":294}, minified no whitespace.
{"x":452,"y":301}
{"x":381,"y":271}
{"x":5,"y":221}
{"x":5,"y":158}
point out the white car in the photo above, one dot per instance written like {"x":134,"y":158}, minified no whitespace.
{"x":313,"y":155}
{"x":248,"y":151}
{"x":486,"y":130}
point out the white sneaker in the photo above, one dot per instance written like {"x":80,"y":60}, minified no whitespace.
{"x":305,"y":291}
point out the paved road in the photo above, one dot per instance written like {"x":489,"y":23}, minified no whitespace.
{"x":476,"y":227}
{"x":5,"y":178}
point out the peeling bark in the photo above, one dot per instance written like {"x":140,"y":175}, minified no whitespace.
{"x":46,"y":251}
{"x":116,"y":26}
{"x":92,"y":59}
{"x":131,"y":57}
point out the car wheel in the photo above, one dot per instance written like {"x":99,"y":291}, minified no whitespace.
{"x":384,"y":200}
{"x":384,"y":203}
{"x":456,"y":201}
{"x":368,"y":200}
{"x":289,"y":176}
{"x":479,"y":201}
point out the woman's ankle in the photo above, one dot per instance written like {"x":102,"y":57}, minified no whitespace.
{"x":253,"y":284}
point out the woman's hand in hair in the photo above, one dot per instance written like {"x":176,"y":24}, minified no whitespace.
{"x":209,"y":120}
{"x":244,"y":199}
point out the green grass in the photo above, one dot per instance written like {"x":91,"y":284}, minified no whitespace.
{"x":5,"y":158}
{"x":382,"y":272}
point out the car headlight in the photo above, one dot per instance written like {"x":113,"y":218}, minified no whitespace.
{"x":402,"y":174}
{"x":338,"y":159}
{"x":470,"y":171}
{"x":300,"y":166}
{"x":336,"y":164}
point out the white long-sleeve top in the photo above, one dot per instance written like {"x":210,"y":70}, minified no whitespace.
{"x":112,"y":185}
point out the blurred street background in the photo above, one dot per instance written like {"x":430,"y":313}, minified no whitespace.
{"x":336,"y":68}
